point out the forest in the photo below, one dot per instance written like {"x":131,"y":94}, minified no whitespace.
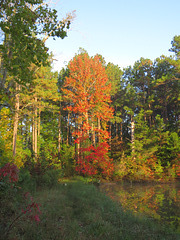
{"x":92,"y":118}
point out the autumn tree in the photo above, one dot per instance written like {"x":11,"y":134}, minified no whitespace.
{"x":88,"y":92}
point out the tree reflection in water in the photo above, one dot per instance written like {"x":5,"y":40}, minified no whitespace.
{"x":159,"y":201}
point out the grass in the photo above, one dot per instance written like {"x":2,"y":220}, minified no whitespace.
{"x":78,"y":211}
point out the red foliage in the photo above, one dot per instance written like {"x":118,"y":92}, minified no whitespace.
{"x":176,"y":168}
{"x":9,"y":171}
{"x":95,"y":161}
{"x":32,"y":208}
{"x":87,"y":87}
{"x":88,"y":92}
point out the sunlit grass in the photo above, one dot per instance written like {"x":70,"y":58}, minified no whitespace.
{"x":79,"y":211}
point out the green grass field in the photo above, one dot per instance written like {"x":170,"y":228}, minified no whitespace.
{"x":78,"y":211}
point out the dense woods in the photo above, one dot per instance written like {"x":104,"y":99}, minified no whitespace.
{"x":91,"y":118}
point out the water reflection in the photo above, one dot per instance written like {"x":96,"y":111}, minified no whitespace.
{"x":160,"y":201}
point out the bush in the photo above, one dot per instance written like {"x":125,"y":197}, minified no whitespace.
{"x":26,"y":181}
{"x":13,"y":198}
{"x":67,"y":160}
{"x":41,"y":173}
{"x":49,"y":178}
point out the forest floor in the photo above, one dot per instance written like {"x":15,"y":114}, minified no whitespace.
{"x":78,"y":211}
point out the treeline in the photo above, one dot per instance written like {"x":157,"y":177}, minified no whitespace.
{"x":144,"y":131}
{"x":91,"y":118}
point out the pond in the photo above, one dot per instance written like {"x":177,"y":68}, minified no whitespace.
{"x":159,"y":201}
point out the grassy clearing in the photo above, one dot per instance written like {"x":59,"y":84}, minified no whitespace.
{"x":79,"y":211}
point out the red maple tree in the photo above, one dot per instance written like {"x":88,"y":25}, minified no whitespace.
{"x":88,"y":92}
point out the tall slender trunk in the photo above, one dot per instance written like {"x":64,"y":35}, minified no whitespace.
{"x":93,"y":134}
{"x":87,"y":123}
{"x":68,"y":130}
{"x":116,"y":129}
{"x":110,"y":134}
{"x":59,"y":134}
{"x":150,"y":117}
{"x":16,"y":119}
{"x":39,"y":123}
{"x":99,"y":128}
{"x":121,"y":132}
{"x":77,"y":145}
{"x":132,"y":133}
{"x":165,"y":111}
{"x":35,"y":130}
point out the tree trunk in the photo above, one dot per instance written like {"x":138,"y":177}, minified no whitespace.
{"x":59,"y":135}
{"x":87,"y":122}
{"x":110,"y":135}
{"x":93,"y":135}
{"x":150,"y":116}
{"x":77,"y":145}
{"x":39,"y":123}
{"x":121,"y":132}
{"x":132,"y":133}
{"x":68,"y":131}
{"x":35,"y":130}
{"x":16,"y":119}
{"x":99,"y":128}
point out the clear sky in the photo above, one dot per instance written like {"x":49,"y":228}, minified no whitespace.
{"x":122,"y":31}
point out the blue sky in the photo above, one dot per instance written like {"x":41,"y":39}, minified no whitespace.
{"x":122,"y":31}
